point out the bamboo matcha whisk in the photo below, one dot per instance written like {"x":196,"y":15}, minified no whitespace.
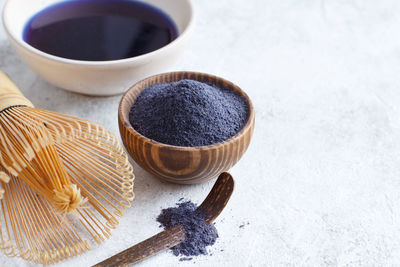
{"x":64,"y":172}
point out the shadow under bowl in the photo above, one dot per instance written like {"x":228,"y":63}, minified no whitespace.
{"x":183,"y":165}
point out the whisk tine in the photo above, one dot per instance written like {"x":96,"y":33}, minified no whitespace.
{"x":105,"y":182}
{"x":66,"y":181}
{"x":32,"y":225}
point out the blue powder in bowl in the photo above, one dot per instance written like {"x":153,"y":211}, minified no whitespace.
{"x":188,"y":113}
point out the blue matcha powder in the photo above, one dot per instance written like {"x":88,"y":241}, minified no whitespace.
{"x":188,"y":113}
{"x":198,"y":234}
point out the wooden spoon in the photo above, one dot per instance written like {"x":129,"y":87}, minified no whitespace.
{"x":212,"y":206}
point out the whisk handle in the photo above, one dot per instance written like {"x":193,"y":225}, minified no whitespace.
{"x":10,"y":95}
{"x":149,"y":247}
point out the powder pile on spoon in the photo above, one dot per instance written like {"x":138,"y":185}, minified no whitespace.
{"x":188,"y":113}
{"x":198,"y":233}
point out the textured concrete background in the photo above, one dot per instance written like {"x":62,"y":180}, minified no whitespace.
{"x":320,"y":183}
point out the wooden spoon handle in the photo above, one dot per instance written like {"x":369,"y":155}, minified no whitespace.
{"x":155,"y":244}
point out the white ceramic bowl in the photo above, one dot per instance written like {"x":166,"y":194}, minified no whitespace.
{"x":95,"y":77}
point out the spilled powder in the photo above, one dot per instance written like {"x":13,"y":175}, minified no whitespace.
{"x":199,"y":234}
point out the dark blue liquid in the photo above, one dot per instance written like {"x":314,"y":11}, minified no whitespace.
{"x":99,"y":29}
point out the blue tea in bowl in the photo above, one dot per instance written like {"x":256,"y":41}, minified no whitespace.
{"x":99,"y":30}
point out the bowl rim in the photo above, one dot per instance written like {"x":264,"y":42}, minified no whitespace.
{"x":246,"y":127}
{"x":138,"y":59}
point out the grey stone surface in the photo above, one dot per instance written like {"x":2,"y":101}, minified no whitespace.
{"x":320,"y":183}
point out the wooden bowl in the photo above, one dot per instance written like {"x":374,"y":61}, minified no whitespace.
{"x":182,"y":165}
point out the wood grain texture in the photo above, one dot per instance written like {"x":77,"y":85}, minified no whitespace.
{"x":151,"y":246}
{"x":218,"y":197}
{"x":183,"y":165}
